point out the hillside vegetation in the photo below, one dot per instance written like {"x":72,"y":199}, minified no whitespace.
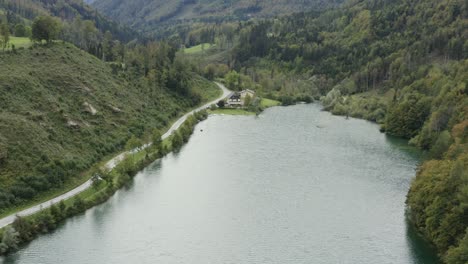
{"x":25,"y":11}
{"x":148,"y":13}
{"x":63,"y":110}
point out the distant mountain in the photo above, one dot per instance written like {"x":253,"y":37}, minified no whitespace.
{"x":143,"y":13}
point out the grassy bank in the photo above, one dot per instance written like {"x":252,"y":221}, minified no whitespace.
{"x":230,"y":111}
{"x":199,"y":48}
{"x":253,"y":109}
{"x":265,"y":103}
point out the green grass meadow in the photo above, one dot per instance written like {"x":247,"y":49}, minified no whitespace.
{"x":20,"y":42}
{"x":198,"y":48}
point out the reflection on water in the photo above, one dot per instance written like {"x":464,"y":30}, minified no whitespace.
{"x":419,"y":247}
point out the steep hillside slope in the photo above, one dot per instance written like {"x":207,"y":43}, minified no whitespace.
{"x":63,"y":110}
{"x":143,"y":13}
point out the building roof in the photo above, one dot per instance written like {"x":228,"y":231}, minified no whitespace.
{"x":234,"y":96}
{"x":248,"y":91}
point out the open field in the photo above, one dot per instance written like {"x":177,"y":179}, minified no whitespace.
{"x":20,"y":42}
{"x":198,"y":48}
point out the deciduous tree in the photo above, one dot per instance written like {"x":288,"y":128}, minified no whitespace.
{"x":45,"y":28}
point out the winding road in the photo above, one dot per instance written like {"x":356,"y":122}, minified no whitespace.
{"x":109,"y":165}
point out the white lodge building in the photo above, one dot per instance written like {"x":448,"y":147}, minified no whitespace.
{"x":246,"y":92}
{"x":236,"y":99}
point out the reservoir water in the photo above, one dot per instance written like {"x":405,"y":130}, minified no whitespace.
{"x":293,"y":185}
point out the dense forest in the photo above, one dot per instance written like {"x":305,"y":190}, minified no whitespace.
{"x":161,"y":13}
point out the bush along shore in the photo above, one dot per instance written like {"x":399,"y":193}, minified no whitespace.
{"x":105,"y":184}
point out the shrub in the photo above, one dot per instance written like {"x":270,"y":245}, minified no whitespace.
{"x":221,"y":104}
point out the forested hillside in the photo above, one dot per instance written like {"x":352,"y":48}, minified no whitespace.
{"x":146,"y":14}
{"x":72,"y":11}
{"x":403,"y":64}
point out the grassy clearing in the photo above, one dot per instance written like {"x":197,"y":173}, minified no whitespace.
{"x":230,"y":111}
{"x":265,"y":103}
{"x":198,"y":48}
{"x":20,"y":42}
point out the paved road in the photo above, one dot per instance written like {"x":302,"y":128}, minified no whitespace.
{"x":109,"y":165}
{"x":116,"y":160}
